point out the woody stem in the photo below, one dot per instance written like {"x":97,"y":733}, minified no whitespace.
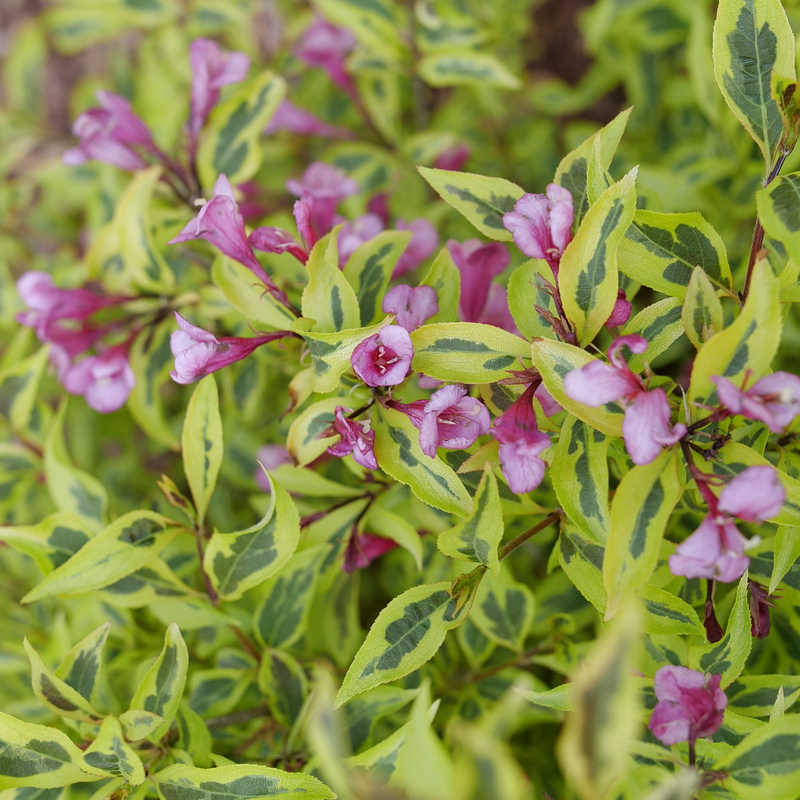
{"x":523,"y":537}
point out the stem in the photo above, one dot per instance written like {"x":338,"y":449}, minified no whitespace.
{"x":692,"y":754}
{"x":246,"y":643}
{"x":212,"y":595}
{"x":555,"y":516}
{"x":237,"y":717}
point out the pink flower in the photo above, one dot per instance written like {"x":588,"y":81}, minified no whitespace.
{"x":271,"y":456}
{"x":109,"y":133}
{"x":496,"y":311}
{"x":550,"y":405}
{"x":454,"y":158}
{"x":424,"y":241}
{"x":294,"y":119}
{"x":716,"y":548}
{"x":760,"y":604}
{"x":212,"y":68}
{"x":478,"y":263}
{"x":221,"y":223}
{"x":690,"y":705}
{"x":363,"y":548}
{"x":646,"y":427}
{"x":356,"y":437}
{"x":452,"y":420}
{"x":277,"y":240}
{"x":379,"y":205}
{"x":326,"y":46}
{"x":521,"y":442}
{"x":385,"y":358}
{"x":105,"y":381}
{"x":356,"y":233}
{"x":542,"y":224}
{"x":621,"y":312}
{"x":773,"y":400}
{"x":323,"y":186}
{"x":199,"y":353}
{"x":412,"y":306}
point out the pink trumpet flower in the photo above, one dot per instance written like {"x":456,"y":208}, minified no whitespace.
{"x":773,"y":400}
{"x":478,"y":263}
{"x":105,"y":380}
{"x":453,"y":420}
{"x":412,"y":306}
{"x":326,"y":186}
{"x":356,"y":438}
{"x":385,"y":358}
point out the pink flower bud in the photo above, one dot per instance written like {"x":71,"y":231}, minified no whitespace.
{"x":621,"y":313}
{"x":454,"y":158}
{"x":385,"y":358}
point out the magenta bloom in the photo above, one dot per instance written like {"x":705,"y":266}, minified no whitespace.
{"x":550,"y":405}
{"x":542,"y":224}
{"x":199,"y":353}
{"x":105,"y":381}
{"x":452,"y":420}
{"x":621,"y":312}
{"x":277,"y":240}
{"x":646,"y":427}
{"x":385,"y":358}
{"x":363,"y":548}
{"x":356,"y":437}
{"x":356,"y":233}
{"x":773,"y":400}
{"x":294,"y":119}
{"x":221,"y":223}
{"x":212,"y":68}
{"x":478,"y":263}
{"x":424,"y":241}
{"x":412,"y":306}
{"x":496,"y":311}
{"x":271,"y":457}
{"x":326,"y":46}
{"x":521,"y":442}
{"x":690,"y":705}
{"x":454,"y":158}
{"x":323,"y":187}
{"x":109,"y":133}
{"x":716,"y":549}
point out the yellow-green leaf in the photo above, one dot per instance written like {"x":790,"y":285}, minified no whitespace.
{"x":702,"y":310}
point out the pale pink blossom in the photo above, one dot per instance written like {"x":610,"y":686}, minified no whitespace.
{"x":327,"y":46}
{"x":423,"y":244}
{"x":690,"y":705}
{"x":354,"y":234}
{"x":385,"y":358}
{"x":105,"y":380}
{"x":496,"y":311}
{"x":277,"y":240}
{"x":754,"y":495}
{"x":478,"y":264}
{"x":412,"y":306}
{"x":355,"y":437}
{"x":323,"y":187}
{"x":453,"y":420}
{"x":541,"y":224}
{"x":773,"y":400}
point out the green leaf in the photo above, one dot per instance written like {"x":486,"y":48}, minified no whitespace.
{"x":328,"y":298}
{"x":162,"y":686}
{"x":194,"y":737}
{"x":122,"y":548}
{"x":399,"y":455}
{"x":369,"y":270}
{"x":330,"y":352}
{"x":666,"y":614}
{"x":284,"y":684}
{"x":140,"y":260}
{"x":503,"y":610}
{"x":702,"y":310}
{"x":50,"y":542}
{"x":386,"y":523}
{"x":304,"y":442}
{"x":445,"y":278}
{"x":406,"y":634}
{"x":729,"y":655}
{"x":756,"y":695}
{"x":765,"y":765}
{"x":587,"y":276}
{"x":572,"y":172}
{"x":304,"y":481}
{"x":526,"y":289}
{"x":659,"y":323}
{"x":56,"y":695}
{"x":374,"y":23}
{"x":751,"y":39}
{"x":469,"y":352}
{"x":201,"y":443}
{"x":19,"y":387}
{"x":747,"y":345}
{"x":554,"y":360}
{"x":110,"y":753}
{"x":604,"y":721}
{"x":38,"y":756}
{"x":380,"y":91}
{"x":778,"y":212}
{"x":661,"y":251}
{"x":466,"y":67}
{"x":787,"y":551}
{"x":579,"y":474}
{"x":150,"y":585}
{"x":364,"y":711}
{"x":80,"y":667}
{"x":640,"y":511}
{"x":481,"y":199}
{"x":282,"y":615}
{"x":231,"y":139}
{"x":247,"y":295}
{"x":217,"y":691}
{"x":139,"y":724}
{"x":477,"y":538}
{"x":71,"y":488}
{"x":245,"y":781}
{"x":151,"y":360}
{"x":236,"y":562}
